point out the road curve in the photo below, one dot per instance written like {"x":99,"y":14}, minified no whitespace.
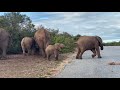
{"x":93,"y":68}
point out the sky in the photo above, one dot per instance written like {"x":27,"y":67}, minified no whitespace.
{"x":104,"y":24}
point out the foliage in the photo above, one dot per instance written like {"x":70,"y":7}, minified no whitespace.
{"x":112,"y":44}
{"x":65,"y":38}
{"x":18,"y":26}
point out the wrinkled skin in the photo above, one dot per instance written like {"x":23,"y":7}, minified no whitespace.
{"x":89,"y":43}
{"x":28,"y":44}
{"x":53,"y":49}
{"x":42,"y":38}
{"x":4,"y":41}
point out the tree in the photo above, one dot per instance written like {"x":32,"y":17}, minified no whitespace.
{"x":77,"y":37}
{"x":18,"y":26}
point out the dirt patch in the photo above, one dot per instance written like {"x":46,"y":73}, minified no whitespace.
{"x":114,"y":63}
{"x":19,"y":66}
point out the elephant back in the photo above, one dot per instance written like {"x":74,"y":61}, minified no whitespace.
{"x":42,"y":36}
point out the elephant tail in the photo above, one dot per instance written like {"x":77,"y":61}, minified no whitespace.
{"x":100,"y":42}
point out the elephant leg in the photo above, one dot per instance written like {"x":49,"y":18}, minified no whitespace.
{"x":56,"y":57}
{"x":4,"y":53}
{"x":23,"y":49}
{"x":56,"y":53}
{"x":42,"y":49}
{"x":78,"y":53}
{"x":29,"y":51}
{"x":81,"y":53}
{"x":98,"y":52}
{"x":33,"y":52}
{"x":94,"y":53}
{"x":48,"y":57}
{"x":43,"y":53}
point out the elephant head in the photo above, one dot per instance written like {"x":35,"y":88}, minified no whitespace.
{"x":59,"y":46}
{"x":100,"y":42}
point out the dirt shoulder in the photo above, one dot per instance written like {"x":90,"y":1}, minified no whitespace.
{"x":19,"y":66}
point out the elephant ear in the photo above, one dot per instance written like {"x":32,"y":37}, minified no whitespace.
{"x":62,"y":45}
{"x":100,"y":42}
{"x":57,"y":47}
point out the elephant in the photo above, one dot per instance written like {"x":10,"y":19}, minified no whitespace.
{"x":28,"y":44}
{"x":43,"y":39}
{"x":89,"y":43}
{"x":54,"y":49}
{"x":5,"y":39}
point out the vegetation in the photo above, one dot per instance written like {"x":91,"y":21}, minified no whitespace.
{"x":112,"y":44}
{"x":19,"y":26}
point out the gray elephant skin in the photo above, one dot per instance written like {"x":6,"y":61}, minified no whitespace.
{"x":4,"y":41}
{"x":54,"y":50}
{"x":28,"y":45}
{"x":43,"y":39}
{"x":89,"y":43}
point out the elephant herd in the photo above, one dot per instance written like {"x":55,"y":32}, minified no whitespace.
{"x":42,"y":40}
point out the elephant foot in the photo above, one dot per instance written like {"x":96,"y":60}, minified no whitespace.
{"x":77,"y":57}
{"x":3,"y":58}
{"x":48,"y":59}
{"x":93,"y":56}
{"x":56,"y":58}
{"x":99,"y":57}
{"x":24,"y":54}
{"x":80,"y":57}
{"x":28,"y":54}
{"x":44,"y":56}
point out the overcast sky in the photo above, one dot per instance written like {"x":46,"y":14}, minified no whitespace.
{"x":104,"y":24}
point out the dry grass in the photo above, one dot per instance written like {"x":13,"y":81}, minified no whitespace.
{"x":19,"y":66}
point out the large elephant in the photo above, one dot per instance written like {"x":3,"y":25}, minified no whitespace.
{"x":28,"y":44}
{"x":54,"y":49}
{"x":43,"y":39}
{"x":89,"y":43}
{"x":4,"y":40}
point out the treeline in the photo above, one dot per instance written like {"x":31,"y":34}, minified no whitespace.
{"x":19,"y":26}
{"x":112,"y":44}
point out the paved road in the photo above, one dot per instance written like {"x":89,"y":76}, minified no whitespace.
{"x":94,"y":68}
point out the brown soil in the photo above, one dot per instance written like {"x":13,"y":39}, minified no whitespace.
{"x":19,"y":66}
{"x":114,"y":63}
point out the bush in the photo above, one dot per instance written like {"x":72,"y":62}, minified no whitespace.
{"x":112,"y":44}
{"x":67,"y":40}
{"x":19,"y":26}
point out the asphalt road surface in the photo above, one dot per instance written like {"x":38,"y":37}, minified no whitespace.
{"x":93,"y":68}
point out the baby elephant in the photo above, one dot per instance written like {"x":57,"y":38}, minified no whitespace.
{"x":54,"y":49}
{"x":28,"y":44}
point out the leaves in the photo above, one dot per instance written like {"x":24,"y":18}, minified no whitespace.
{"x":18,"y":26}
